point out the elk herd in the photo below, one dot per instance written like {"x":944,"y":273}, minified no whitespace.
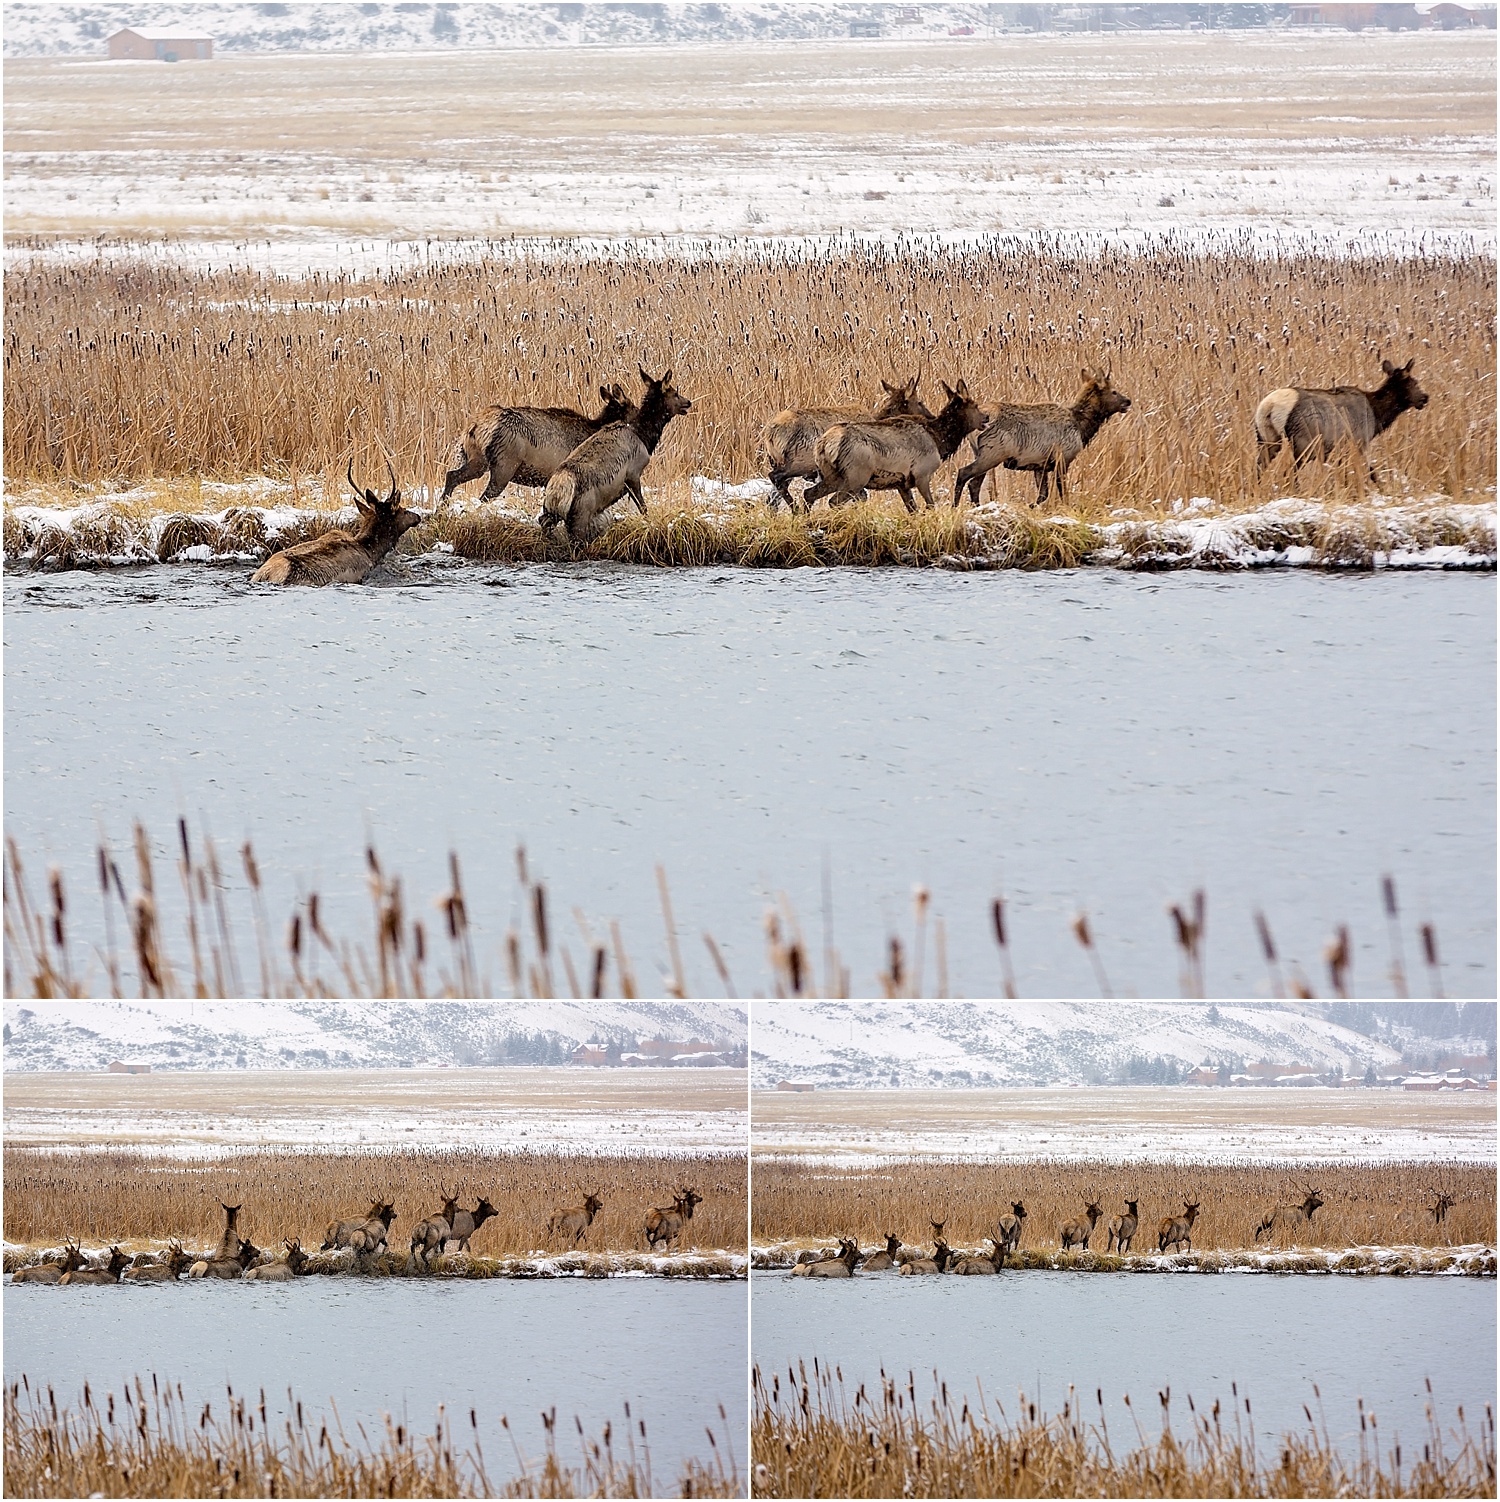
{"x":585,"y":463}
{"x":364,"y":1238}
{"x":1174,"y":1232}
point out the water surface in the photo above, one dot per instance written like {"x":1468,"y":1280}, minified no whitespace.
{"x":1094,"y":739}
{"x":392,"y":1346}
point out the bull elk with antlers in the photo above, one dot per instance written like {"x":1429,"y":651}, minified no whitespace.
{"x":841,"y":1266}
{"x":1289,"y":1217}
{"x":664,"y":1223}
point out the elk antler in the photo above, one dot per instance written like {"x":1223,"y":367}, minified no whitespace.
{"x":395,"y":494}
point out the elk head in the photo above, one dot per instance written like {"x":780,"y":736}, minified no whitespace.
{"x":385,"y":519}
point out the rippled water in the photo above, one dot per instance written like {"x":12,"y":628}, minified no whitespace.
{"x":1094,"y":738}
{"x":499,"y":1346}
{"x":1271,"y":1336}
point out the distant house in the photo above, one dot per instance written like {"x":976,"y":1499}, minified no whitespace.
{"x":798,"y":1085}
{"x":118,"y":1068}
{"x":865,"y":28}
{"x":155,"y":44}
{"x":667,"y":1048}
{"x":590,"y":1053}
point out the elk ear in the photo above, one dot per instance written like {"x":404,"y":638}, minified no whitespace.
{"x":1407,"y":367}
{"x":1387,"y":367}
{"x":961,"y":390}
{"x":606,"y":393}
{"x":666,"y":376}
{"x":641,"y":371}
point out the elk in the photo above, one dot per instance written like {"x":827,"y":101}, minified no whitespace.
{"x":247,"y":1255}
{"x":464,"y":1223}
{"x":365,"y":1234}
{"x":576,"y":1221}
{"x":664,"y":1224}
{"x":1289,"y":1217}
{"x":1173,"y":1231}
{"x":1042,"y":437}
{"x":99,"y":1276}
{"x":791,"y":437}
{"x":896,"y":453}
{"x":52,"y":1272}
{"x":1075,"y":1232}
{"x":1011,"y":1226}
{"x":340,"y":557}
{"x":884,"y":1261}
{"x":610,"y":462}
{"x":178,"y":1261}
{"x":229,"y":1242}
{"x":1313,"y":421}
{"x":1441,"y":1205}
{"x":432,"y":1235}
{"x":990,"y":1263}
{"x":937,"y":1263}
{"x":1122,"y":1228}
{"x":841,"y":1266}
{"x":281,"y":1272}
{"x":526,"y":444}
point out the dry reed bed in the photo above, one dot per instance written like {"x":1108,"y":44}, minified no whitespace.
{"x":1365,"y":1205}
{"x":153,"y":1446}
{"x":875,"y":533}
{"x":111,"y":1195}
{"x":126,"y":369}
{"x":808,"y":1438}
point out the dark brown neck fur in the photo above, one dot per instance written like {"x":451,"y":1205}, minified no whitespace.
{"x":651,"y":419}
{"x":1388,"y":402}
{"x":950,"y":427}
{"x":1089,"y":413}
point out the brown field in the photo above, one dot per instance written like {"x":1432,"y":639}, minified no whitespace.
{"x":809,"y":1438}
{"x":156,"y":1448}
{"x":1363,"y":1205}
{"x":108,"y":1196}
{"x":143,"y":370}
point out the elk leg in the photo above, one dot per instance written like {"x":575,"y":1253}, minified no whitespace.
{"x":1041,"y":482}
{"x":924,"y":484}
{"x":814,"y":492}
{"x":780,"y":494}
{"x":906,"y":500}
{"x":470,"y":469}
{"x":971,"y":476}
{"x":500,"y":476}
{"x":636,"y":494}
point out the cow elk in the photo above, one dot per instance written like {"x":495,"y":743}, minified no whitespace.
{"x":340,"y":557}
{"x":1011,"y":1226}
{"x":177,"y":1263}
{"x":1314,"y":421}
{"x":247,"y":1255}
{"x":1043,"y":438}
{"x":526,"y":444}
{"x":466,"y":1222}
{"x":281,"y":1272}
{"x":609,"y":463}
{"x":841,"y":1266}
{"x":664,"y":1224}
{"x":1289,"y":1217}
{"x":1122,"y":1228}
{"x":229,"y":1242}
{"x":366,"y":1235}
{"x":51,"y":1273}
{"x":1442,"y":1203}
{"x":575,"y":1222}
{"x":1178,"y":1230}
{"x":99,"y":1276}
{"x":791,"y":437}
{"x":1077,"y":1232}
{"x":896,"y":453}
{"x":991,"y":1262}
{"x":884,"y":1261}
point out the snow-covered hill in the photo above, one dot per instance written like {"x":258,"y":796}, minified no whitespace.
{"x":1026,"y":1043}
{"x":61,"y":30}
{"x":343,"y":1034}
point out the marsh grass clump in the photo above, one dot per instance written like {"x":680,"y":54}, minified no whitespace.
{"x":808,"y":1438}
{"x":153,"y":1443}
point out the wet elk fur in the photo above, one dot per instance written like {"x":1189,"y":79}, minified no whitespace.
{"x":664,"y":1224}
{"x":1044,"y":438}
{"x":1122,"y":1228}
{"x":1177,"y":1230}
{"x":526,"y":444}
{"x":896,"y":453}
{"x":790,"y":438}
{"x":942,"y":1253}
{"x":1077,"y":1232}
{"x":340,"y":557}
{"x":281,"y":1272}
{"x":1289,"y":1217}
{"x":609,"y":463}
{"x":1011,"y":1226}
{"x":247,"y":1255}
{"x":177,"y":1263}
{"x":574,"y":1222}
{"x":990,"y":1262}
{"x":1314,"y":421}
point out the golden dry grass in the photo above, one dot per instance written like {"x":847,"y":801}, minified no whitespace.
{"x":109,"y":1196}
{"x":155,"y":1447}
{"x":808,"y":1438}
{"x":121,"y":370}
{"x":1364,"y":1205}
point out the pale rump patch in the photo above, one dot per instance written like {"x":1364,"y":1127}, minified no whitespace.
{"x":1271,"y":415}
